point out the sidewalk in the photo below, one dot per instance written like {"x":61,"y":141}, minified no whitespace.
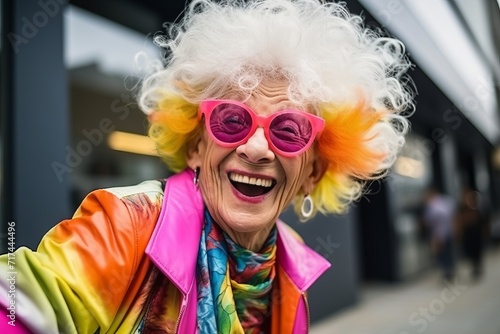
{"x":425,"y":305}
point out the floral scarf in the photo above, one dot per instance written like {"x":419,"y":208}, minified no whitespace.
{"x":234,"y":283}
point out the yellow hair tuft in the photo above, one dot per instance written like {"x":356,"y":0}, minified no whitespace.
{"x":172,"y":126}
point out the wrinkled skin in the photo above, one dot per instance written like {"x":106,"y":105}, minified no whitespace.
{"x":248,"y":221}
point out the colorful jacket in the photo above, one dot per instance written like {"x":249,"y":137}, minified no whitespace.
{"x":99,"y":272}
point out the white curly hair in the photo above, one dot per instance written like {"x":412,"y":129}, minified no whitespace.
{"x":325,"y":52}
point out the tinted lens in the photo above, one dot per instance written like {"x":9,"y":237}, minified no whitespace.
{"x":230,"y":123}
{"x":290,"y":132}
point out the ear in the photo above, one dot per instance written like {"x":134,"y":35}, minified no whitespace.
{"x":194,"y":149}
{"x":319,"y":167}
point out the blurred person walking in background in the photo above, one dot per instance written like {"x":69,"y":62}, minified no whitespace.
{"x":438,"y":217}
{"x":473,"y":229}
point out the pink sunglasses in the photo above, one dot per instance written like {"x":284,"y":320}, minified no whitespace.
{"x":232,"y":123}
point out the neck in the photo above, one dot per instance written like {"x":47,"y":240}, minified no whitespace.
{"x":253,"y":241}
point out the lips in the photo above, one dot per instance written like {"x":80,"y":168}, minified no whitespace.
{"x":251,"y":186}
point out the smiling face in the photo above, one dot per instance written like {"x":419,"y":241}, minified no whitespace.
{"x":246,"y":188}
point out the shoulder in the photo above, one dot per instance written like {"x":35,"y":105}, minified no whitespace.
{"x":146,"y":195}
{"x":151,"y":189}
{"x":122,"y":208}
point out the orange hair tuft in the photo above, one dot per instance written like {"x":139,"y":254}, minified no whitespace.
{"x":344,"y":142}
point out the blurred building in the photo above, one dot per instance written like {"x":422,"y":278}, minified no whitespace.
{"x":68,"y":72}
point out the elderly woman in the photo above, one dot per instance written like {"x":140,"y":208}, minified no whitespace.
{"x":261,"y":104}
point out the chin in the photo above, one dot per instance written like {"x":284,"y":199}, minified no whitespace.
{"x":247,"y":222}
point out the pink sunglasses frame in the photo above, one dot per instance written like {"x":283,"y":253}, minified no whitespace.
{"x":207,"y":107}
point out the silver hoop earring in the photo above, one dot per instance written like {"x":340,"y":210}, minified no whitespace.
{"x":196,"y":178}
{"x":307,"y":207}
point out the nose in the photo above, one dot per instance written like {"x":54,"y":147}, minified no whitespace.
{"x":256,"y":148}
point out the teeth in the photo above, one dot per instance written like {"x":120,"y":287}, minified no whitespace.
{"x":250,"y":180}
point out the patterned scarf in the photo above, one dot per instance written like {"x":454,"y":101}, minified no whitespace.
{"x":234,"y":283}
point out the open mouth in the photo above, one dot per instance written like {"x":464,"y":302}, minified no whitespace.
{"x":251,"y":186}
